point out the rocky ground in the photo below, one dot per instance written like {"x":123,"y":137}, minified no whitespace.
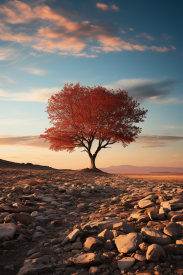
{"x":55,"y":222}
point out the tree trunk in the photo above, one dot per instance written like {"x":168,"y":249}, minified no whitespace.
{"x":92,"y":158}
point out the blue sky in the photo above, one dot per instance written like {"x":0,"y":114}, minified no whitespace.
{"x":133,"y":45}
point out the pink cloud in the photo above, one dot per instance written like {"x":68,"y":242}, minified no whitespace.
{"x":140,"y":48}
{"x":173,"y":47}
{"x":159,"y":49}
{"x":102,"y":6}
{"x":114,"y":7}
{"x":61,"y":34}
{"x":17,"y":12}
{"x":65,"y":43}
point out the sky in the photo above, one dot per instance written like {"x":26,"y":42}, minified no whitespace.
{"x":133,"y":45}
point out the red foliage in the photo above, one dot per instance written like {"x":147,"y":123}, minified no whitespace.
{"x":80,"y":114}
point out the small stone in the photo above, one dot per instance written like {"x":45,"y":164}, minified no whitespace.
{"x":77,"y":245}
{"x":94,"y":270}
{"x":9,"y":268}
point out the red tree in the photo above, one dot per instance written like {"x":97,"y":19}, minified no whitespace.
{"x":81,"y":114}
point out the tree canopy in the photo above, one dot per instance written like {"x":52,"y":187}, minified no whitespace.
{"x":82,"y":114}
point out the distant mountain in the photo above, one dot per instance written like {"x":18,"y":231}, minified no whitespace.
{"x":141,"y":169}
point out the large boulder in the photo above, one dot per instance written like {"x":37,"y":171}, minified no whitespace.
{"x":155,"y":253}
{"x":128,"y":243}
{"x":153,"y":236}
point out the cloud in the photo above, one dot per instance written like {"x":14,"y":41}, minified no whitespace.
{"x":157,"y":140}
{"x":33,"y":141}
{"x":102,"y":6}
{"x":7,"y":54}
{"x":114,"y":7}
{"x":173,"y":47}
{"x":33,"y":94}
{"x":8,"y":79}
{"x":148,"y":141}
{"x":17,"y":121}
{"x":166,"y":37}
{"x":49,"y":31}
{"x":35,"y":71}
{"x":152,"y":90}
{"x":122,"y":31}
{"x":109,"y":44}
{"x":146,"y":35}
{"x":132,"y":30}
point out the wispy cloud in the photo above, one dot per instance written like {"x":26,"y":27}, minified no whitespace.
{"x":7,"y":54}
{"x":157,"y":140}
{"x":33,"y":94}
{"x":35,"y":71}
{"x":17,"y":121}
{"x":146,"y":35}
{"x":150,"y":141}
{"x":8,"y":79}
{"x":173,"y":47}
{"x":166,"y":37}
{"x":152,"y":90}
{"x":132,"y":30}
{"x":55,"y":33}
{"x":33,"y":141}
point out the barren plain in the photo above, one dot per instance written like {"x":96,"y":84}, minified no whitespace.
{"x":55,"y":222}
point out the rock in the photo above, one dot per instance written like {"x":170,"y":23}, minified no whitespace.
{"x":152,"y":215}
{"x":128,"y":243}
{"x":124,"y":227}
{"x":173,"y":204}
{"x":125,"y":263}
{"x":43,"y":220}
{"x":106,"y":234}
{"x":39,"y":237}
{"x":155,"y":237}
{"x":77,"y":245}
{"x":173,"y":230}
{"x":91,"y":243}
{"x":9,"y":268}
{"x":145,"y":203}
{"x":108,"y":245}
{"x":143,"y":246}
{"x":176,"y":218}
{"x":155,"y":253}
{"x":3,"y":215}
{"x":25,"y":219}
{"x":174,"y":249}
{"x":7,"y":230}
{"x":140,"y":217}
{"x":107,"y":224}
{"x":140,"y":258}
{"x":72,"y":236}
{"x":86,"y":260}
{"x":94,"y":270}
{"x":34,"y":269}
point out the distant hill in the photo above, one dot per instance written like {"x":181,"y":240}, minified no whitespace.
{"x":141,"y":169}
{"x":16,"y":165}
